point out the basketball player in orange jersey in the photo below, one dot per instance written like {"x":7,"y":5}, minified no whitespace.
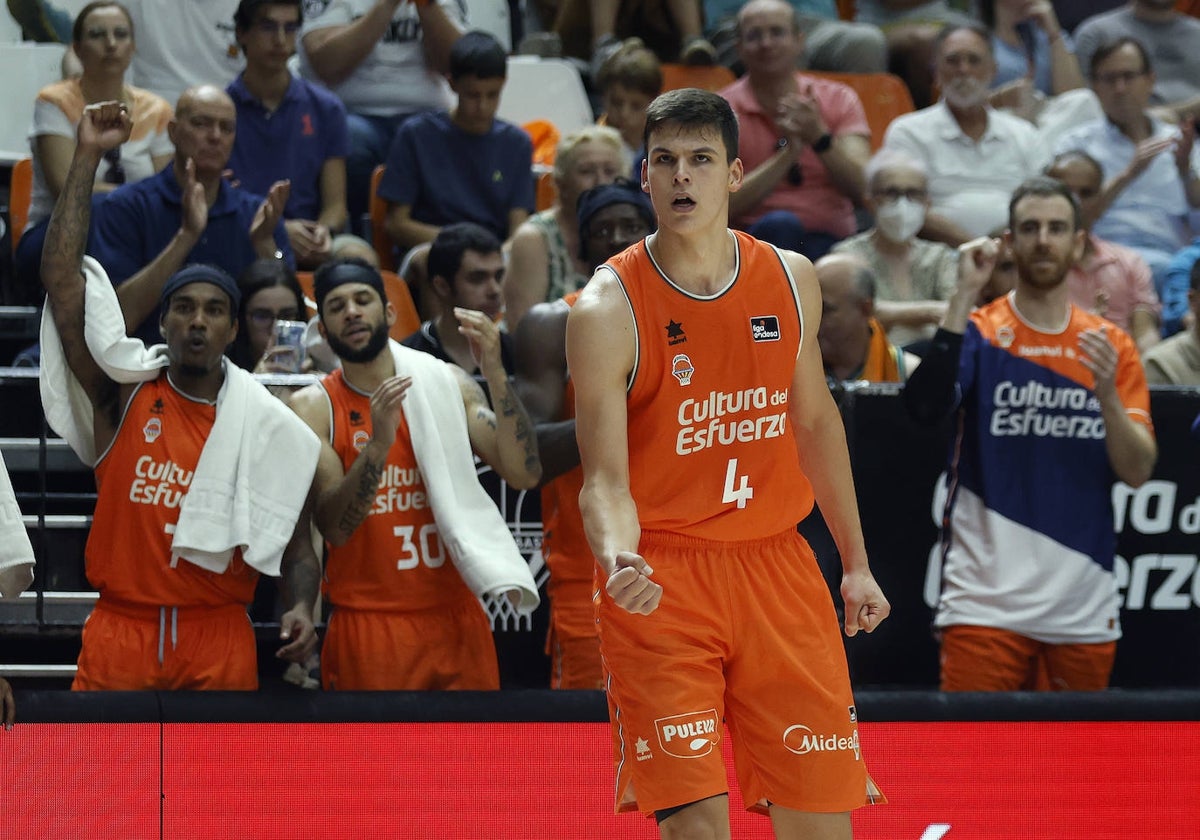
{"x":706,"y":430}
{"x":159,"y":623}
{"x":403,"y":618}
{"x":611,"y":218}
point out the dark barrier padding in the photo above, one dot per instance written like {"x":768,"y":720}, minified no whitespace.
{"x":896,"y":466}
{"x":566,"y":706}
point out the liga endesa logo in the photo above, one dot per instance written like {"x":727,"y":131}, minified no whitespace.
{"x":690,"y":735}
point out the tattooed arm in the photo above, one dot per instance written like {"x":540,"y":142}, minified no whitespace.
{"x":344,"y":497}
{"x":103,"y":127}
{"x":502,"y":433}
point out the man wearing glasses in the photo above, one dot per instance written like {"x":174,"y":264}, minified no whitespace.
{"x":288,"y":129}
{"x":804,"y":141}
{"x":1150,"y":170}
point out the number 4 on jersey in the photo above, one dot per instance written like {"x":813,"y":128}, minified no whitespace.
{"x":743,"y":493}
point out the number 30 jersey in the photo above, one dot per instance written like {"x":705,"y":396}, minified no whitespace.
{"x":711,"y":449}
{"x":395,"y":559}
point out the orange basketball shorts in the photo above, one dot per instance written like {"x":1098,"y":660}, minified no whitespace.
{"x":745,"y":635}
{"x":129,"y":647}
{"x":573,"y":643}
{"x":977,"y":658}
{"x":444,"y":648}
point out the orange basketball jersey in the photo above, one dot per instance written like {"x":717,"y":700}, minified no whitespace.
{"x":711,"y":451}
{"x":141,"y":481}
{"x":564,"y":543}
{"x":395,"y":560}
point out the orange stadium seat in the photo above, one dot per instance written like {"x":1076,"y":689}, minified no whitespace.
{"x":20,"y":193}
{"x":377,"y":210}
{"x":884,"y":97}
{"x":715,"y":77}
{"x":545,"y":139}
{"x":407,"y":319}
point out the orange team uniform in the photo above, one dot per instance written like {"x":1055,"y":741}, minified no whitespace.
{"x":746,"y":632}
{"x":159,"y":625}
{"x":403,"y":619}
{"x":572,"y":642}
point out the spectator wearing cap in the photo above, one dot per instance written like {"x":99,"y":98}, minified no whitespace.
{"x":544,"y":252}
{"x":173,"y":457}
{"x":288,"y":129}
{"x":188,"y":213}
{"x":612,"y":217}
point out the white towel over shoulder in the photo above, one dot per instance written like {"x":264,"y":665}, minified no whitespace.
{"x":16,"y":552}
{"x":255,"y":469}
{"x":468,"y":520}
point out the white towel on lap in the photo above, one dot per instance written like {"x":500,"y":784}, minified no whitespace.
{"x":480,"y":543}
{"x":16,"y":552}
{"x":256,"y":466}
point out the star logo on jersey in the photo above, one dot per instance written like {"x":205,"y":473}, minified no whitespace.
{"x":157,"y":407}
{"x":675,"y":333}
{"x":643,"y":750}
{"x":497,"y":177}
{"x":764,"y":328}
{"x":681,"y":369}
{"x":356,"y":419}
{"x":1005,"y":337}
{"x":152,"y":429}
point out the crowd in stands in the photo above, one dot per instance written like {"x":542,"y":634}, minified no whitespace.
{"x":253,"y":137}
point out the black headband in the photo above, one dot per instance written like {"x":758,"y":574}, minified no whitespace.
{"x":338,"y":275}
{"x":201,"y":273}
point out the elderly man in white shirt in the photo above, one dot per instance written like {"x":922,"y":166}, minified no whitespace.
{"x":975,"y":155}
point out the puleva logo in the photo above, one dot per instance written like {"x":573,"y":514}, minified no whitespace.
{"x":690,"y":735}
{"x":681,"y":369}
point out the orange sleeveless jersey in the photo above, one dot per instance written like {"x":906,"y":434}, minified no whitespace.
{"x":711,"y":451}
{"x":141,"y":481}
{"x":564,"y":543}
{"x":395,"y":560}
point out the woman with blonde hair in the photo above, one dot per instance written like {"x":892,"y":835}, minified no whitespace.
{"x":544,"y":262}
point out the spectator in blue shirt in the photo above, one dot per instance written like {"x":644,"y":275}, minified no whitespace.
{"x":145,"y":232}
{"x":464,"y":165}
{"x":288,"y":129}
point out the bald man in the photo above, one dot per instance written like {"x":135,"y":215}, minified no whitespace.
{"x":853,"y":343}
{"x":146,"y":231}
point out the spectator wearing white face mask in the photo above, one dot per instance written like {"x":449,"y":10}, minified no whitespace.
{"x":915,"y":277}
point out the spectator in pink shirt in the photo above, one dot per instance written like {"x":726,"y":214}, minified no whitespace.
{"x":804,"y":140}
{"x":1110,"y":280}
